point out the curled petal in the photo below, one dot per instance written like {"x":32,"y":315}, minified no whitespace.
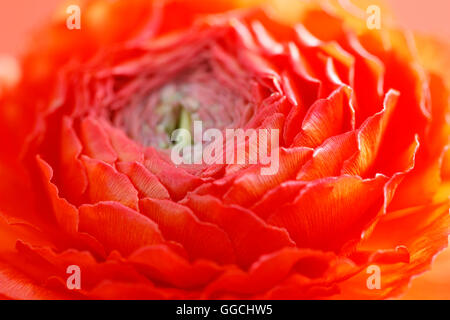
{"x":118,"y":227}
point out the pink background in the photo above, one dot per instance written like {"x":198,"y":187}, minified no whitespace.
{"x":19,"y":17}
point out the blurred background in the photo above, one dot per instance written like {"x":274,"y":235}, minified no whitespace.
{"x":18,"y":18}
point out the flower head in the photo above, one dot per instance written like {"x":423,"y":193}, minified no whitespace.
{"x":361,"y":150}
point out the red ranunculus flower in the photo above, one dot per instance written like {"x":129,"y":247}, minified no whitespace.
{"x":87,"y":177}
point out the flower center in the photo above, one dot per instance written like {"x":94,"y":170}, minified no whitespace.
{"x":150,"y":119}
{"x":175,"y":118}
